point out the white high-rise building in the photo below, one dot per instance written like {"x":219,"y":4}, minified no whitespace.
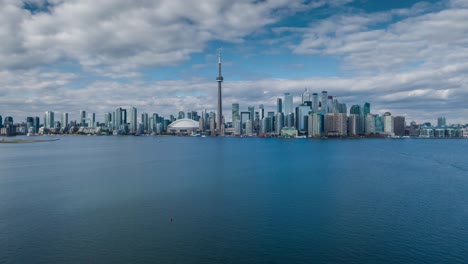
{"x":388,"y":124}
{"x":49,"y":119}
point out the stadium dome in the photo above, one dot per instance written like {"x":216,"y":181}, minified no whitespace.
{"x":184,"y":125}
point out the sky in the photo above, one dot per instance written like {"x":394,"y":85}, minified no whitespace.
{"x":403,"y":56}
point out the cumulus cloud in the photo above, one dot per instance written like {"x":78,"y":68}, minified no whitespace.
{"x":122,"y":35}
{"x":420,"y":35}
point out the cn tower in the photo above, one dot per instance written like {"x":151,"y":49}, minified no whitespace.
{"x":219,"y":116}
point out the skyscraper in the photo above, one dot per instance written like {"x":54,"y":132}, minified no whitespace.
{"x":355,"y":110}
{"x":117,"y":121}
{"x":235,"y":112}
{"x":107,"y":119}
{"x":315,"y":125}
{"x":133,"y":120}
{"x":388,"y":123}
{"x":245,"y":115}
{"x":279,"y":122}
{"x":261,"y":112}
{"x":64,"y":120}
{"x":251,"y":109}
{"x":370,"y":124}
{"x":324,"y":101}
{"x":366,"y":109}
{"x":399,"y":126}
{"x":288,"y":104}
{"x":315,"y":102}
{"x":279,"y":105}
{"x":82,"y":118}
{"x":92,"y":120}
{"x":49,"y":119}
{"x":219,"y":79}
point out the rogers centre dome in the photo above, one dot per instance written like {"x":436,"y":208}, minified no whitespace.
{"x":184,"y":125}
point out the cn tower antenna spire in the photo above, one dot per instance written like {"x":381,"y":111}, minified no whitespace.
{"x":219,"y":117}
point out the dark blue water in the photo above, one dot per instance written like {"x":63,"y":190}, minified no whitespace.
{"x":234,"y":200}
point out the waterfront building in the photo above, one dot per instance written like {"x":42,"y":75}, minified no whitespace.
{"x":119,"y":121}
{"x":36,"y":124}
{"x":353,"y":124}
{"x":249,"y":127}
{"x":357,"y":110}
{"x":426,"y":132}
{"x":133,"y":120}
{"x":439,"y":132}
{"x":414,"y":129}
{"x":237,"y":127}
{"x":145,"y":121}
{"x":92,"y":120}
{"x":315,"y":125}
{"x":379,"y":124}
{"x":64,"y":120}
{"x":1,"y":122}
{"x":399,"y":125}
{"x":370,"y":124}
{"x":288,"y":104}
{"x":108,"y":120}
{"x":49,"y":120}
{"x":335,"y":124}
{"x":289,"y":132}
{"x":388,"y":124}
{"x":183,"y":126}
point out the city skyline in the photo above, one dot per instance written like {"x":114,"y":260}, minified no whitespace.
{"x":405,"y":57}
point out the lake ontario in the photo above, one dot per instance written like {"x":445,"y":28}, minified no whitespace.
{"x":109,"y":199}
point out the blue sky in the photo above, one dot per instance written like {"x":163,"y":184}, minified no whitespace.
{"x":406,"y":57}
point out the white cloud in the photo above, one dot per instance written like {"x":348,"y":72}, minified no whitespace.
{"x":122,"y":35}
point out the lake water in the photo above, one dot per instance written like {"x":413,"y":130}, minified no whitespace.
{"x":87,"y":199}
